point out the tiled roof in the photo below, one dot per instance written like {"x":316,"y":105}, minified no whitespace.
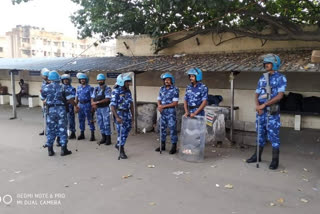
{"x":292,"y":61}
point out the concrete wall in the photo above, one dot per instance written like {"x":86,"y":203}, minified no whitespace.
{"x":141,"y":45}
{"x":245,"y":83}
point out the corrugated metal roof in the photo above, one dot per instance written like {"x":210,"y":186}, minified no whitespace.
{"x":292,"y":61}
{"x":68,"y":64}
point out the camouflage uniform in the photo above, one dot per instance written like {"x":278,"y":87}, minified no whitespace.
{"x":168,"y":115}
{"x":84,"y":99}
{"x":56,"y":95}
{"x":195,"y":96}
{"x":103,"y":110}
{"x":269,"y":125}
{"x":70,"y":110}
{"x":121,"y":99}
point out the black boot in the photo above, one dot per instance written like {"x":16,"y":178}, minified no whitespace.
{"x":81,"y":136}
{"x":72,"y":135}
{"x":108,"y":140}
{"x":173,"y":149}
{"x":253,"y":158}
{"x":58,"y":142}
{"x":92,"y":138}
{"x":116,"y":146}
{"x":50,"y":151}
{"x":275,"y":159}
{"x":65,"y":151}
{"x":122,"y":153}
{"x":163,"y":147}
{"x":41,"y":133}
{"x":103,"y":139}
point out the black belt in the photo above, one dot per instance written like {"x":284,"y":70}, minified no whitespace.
{"x":123,"y":110}
{"x":84,"y":102}
{"x":55,"y":105}
{"x":102,"y":105}
{"x":193,"y":107}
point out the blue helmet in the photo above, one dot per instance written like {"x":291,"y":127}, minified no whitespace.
{"x":45,"y":72}
{"x":101,"y":77}
{"x":122,"y":78}
{"x":82,"y":76}
{"x":54,"y":76}
{"x":167,"y":75}
{"x":66,"y":77}
{"x":197,"y":72}
{"x":274,"y":59}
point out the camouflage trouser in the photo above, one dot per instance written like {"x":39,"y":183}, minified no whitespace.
{"x":71,"y":118}
{"x":103,"y":116}
{"x":125,"y":127}
{"x":57,"y":125}
{"x":85,"y":112}
{"x":268,"y":130}
{"x":168,"y":119}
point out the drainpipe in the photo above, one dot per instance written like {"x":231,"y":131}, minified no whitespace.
{"x":14,"y":99}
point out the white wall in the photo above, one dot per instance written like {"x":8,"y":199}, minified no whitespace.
{"x":243,"y":98}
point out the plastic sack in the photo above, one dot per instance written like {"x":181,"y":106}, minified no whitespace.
{"x":215,"y":123}
{"x":146,"y":117}
{"x":192,"y":139}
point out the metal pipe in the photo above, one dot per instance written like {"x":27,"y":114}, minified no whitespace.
{"x":232,"y":105}
{"x":14,"y":99}
{"x":134,"y":85}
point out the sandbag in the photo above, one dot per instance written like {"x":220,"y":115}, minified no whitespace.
{"x":294,"y":102}
{"x":216,"y":127}
{"x":146,"y":117}
{"x":311,"y":104}
{"x":214,"y":99}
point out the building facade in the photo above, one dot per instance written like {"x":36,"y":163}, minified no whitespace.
{"x":28,"y":42}
{"x":4,"y":51}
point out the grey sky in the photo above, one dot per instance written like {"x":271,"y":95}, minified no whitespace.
{"x":53,"y":15}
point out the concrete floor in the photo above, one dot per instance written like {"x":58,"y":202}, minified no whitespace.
{"x":90,"y":180}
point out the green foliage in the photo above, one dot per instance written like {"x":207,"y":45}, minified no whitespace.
{"x":111,"y":18}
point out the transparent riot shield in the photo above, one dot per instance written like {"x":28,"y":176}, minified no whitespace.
{"x":192,"y":139}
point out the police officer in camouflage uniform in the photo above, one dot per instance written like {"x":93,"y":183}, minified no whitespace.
{"x":167,"y":101}
{"x":83,"y":99}
{"x":196,"y":95}
{"x":56,"y":96}
{"x":268,"y":110}
{"x":122,"y":109}
{"x":45,"y":81}
{"x":66,"y":81}
{"x":100,"y":100}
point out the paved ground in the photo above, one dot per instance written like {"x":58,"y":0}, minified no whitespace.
{"x":90,"y":180}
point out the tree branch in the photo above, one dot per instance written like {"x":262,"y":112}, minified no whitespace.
{"x":174,"y":42}
{"x":304,"y":36}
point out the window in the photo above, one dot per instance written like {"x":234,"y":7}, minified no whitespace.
{"x":27,"y":40}
{"x":1,"y":49}
{"x":56,"y":43}
{"x":26,"y":52}
{"x":45,"y":53}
